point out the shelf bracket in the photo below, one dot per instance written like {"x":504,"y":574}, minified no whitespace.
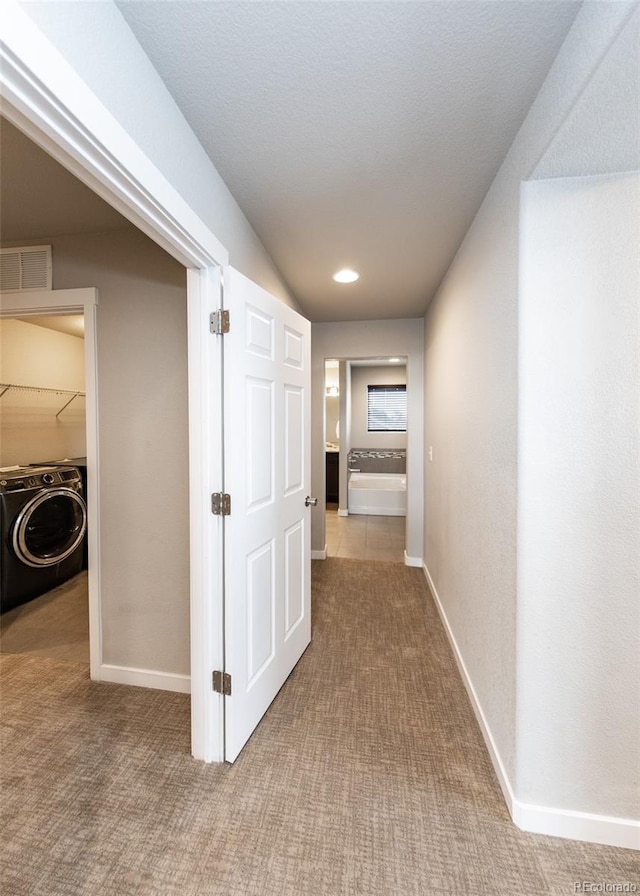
{"x":67,"y":404}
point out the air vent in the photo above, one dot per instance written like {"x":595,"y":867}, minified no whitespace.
{"x":25,"y":269}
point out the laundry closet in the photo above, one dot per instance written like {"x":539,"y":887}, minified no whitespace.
{"x":140,"y":565}
{"x":43,"y":483}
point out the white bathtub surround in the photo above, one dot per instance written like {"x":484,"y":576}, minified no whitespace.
{"x":378,"y":494}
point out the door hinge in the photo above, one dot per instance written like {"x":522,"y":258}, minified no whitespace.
{"x":219,"y":322}
{"x":220,"y":504}
{"x":222,"y":683}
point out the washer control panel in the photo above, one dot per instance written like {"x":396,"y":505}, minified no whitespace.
{"x":26,"y":478}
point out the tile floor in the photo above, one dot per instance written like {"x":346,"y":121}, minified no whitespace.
{"x":359,"y":537}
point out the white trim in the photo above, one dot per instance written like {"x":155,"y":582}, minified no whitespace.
{"x":146,"y":678}
{"x":607,"y":830}
{"x":503,"y":779}
{"x":93,"y":486}
{"x":603,"y":829}
{"x":46,"y":99}
{"x":319,"y":555}
{"x":82,"y":301}
{"x":412,"y":561}
{"x":343,"y":513}
{"x":47,"y":301}
{"x":205,"y":477}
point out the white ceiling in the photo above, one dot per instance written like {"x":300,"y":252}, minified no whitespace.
{"x":355,"y":134}
{"x":361,"y":134}
{"x":71,"y":324}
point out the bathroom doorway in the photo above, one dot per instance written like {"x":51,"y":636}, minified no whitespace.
{"x":365,"y":437}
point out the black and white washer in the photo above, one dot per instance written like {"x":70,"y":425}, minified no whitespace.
{"x":43,"y":520}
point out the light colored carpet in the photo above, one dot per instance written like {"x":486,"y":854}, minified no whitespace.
{"x":367,"y":777}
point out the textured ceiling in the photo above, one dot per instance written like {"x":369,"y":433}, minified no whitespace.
{"x":360,"y":134}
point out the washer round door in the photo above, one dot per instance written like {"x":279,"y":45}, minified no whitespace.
{"x":49,"y":527}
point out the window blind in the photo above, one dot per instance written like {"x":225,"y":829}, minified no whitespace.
{"x":386,"y":408}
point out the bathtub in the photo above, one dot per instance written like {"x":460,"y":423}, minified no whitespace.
{"x":378,"y":494}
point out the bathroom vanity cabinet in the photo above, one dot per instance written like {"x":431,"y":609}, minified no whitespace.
{"x":332,"y":458}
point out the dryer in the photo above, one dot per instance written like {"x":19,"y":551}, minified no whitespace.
{"x":43,"y":519}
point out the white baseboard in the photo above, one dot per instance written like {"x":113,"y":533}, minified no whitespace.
{"x":412,"y":561}
{"x":319,"y":555}
{"x":609,"y":831}
{"x":343,"y":513}
{"x":146,"y":678}
{"x":503,"y":779}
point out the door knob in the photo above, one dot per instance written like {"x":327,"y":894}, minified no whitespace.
{"x":310,"y":502}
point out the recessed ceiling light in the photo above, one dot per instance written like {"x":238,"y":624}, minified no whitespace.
{"x":346,"y":276}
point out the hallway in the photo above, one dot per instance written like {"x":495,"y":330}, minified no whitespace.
{"x":367,"y":777}
{"x":486,"y":193}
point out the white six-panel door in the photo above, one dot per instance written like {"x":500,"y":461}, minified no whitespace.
{"x":267,"y":473}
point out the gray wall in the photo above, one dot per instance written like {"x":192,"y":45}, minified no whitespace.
{"x":471,"y":384}
{"x":143,"y":443}
{"x":361,"y":377}
{"x":97,"y":42}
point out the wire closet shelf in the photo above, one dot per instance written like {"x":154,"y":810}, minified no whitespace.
{"x":74,"y":393}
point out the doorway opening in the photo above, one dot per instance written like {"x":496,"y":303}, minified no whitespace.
{"x":137,"y":569}
{"x":365,"y":432}
{"x":45,"y":592}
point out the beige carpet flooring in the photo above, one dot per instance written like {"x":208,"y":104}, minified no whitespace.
{"x":367,"y":777}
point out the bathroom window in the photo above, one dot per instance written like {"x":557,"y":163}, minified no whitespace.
{"x":387,"y":408}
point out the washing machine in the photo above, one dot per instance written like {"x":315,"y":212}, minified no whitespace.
{"x":43,"y":519}
{"x":81,"y":464}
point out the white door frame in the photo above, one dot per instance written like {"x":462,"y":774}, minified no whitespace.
{"x":46,"y":99}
